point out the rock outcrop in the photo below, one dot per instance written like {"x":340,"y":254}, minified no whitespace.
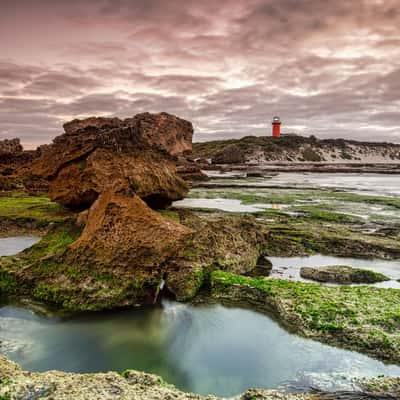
{"x":163,"y":130}
{"x":94,"y":153}
{"x":122,"y":255}
{"x":13,"y":159}
{"x":341,"y":274}
{"x":116,"y":173}
{"x":10,"y":147}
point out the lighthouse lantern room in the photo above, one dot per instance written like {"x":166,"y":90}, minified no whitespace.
{"x":276,"y":127}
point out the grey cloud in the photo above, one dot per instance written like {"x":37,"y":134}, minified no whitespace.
{"x":332,"y":67}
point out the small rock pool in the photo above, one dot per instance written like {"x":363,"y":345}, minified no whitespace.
{"x":203,"y":349}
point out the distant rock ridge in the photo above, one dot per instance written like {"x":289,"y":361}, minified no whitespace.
{"x":293,"y":148}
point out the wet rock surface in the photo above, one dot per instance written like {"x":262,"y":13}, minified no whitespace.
{"x":357,"y":318}
{"x":341,"y":274}
{"x":17,"y":384}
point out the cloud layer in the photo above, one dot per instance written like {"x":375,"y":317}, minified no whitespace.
{"x":327,"y":68}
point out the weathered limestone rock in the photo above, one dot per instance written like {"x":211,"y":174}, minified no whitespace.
{"x":17,"y":384}
{"x":119,"y":259}
{"x":263,"y":268}
{"x":165,"y":131}
{"x":94,"y":153}
{"x":226,"y":243}
{"x":341,"y":274}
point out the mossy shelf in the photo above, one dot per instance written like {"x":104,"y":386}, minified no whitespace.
{"x":362,"y":318}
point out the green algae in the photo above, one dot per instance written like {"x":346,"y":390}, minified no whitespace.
{"x":289,"y":196}
{"x":362,"y":318}
{"x":22,"y":207}
{"x":38,"y":257}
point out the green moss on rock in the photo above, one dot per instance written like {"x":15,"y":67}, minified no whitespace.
{"x":363,"y":318}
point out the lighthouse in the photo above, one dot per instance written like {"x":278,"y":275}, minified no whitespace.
{"x":276,"y":127}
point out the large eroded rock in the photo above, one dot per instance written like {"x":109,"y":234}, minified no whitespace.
{"x":94,"y":153}
{"x":119,"y":259}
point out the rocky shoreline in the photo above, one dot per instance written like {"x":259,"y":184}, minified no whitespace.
{"x":100,"y":197}
{"x":16,"y":384}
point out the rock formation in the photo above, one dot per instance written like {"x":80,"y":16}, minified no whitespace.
{"x":10,"y":147}
{"x":164,"y":131}
{"x":341,"y":274}
{"x":122,"y":254}
{"x":116,"y":173}
{"x":93,"y":153}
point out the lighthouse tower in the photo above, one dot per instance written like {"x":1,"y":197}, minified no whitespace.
{"x":276,"y":127}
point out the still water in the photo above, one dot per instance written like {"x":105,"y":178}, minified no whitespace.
{"x":203,"y":349}
{"x":368,"y":184}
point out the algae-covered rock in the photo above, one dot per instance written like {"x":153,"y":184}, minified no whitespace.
{"x":17,"y":384}
{"x":119,"y":259}
{"x":225,"y":243}
{"x":342,"y":274}
{"x":361,"y":318}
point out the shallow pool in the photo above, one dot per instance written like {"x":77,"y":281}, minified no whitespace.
{"x":203,"y":349}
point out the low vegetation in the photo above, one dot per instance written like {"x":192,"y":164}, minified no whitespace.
{"x":363,"y":318}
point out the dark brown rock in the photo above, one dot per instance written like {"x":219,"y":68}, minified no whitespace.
{"x":13,"y":161}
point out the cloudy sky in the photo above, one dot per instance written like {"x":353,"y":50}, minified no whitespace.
{"x":329,"y":68}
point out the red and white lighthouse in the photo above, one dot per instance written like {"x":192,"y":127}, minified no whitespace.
{"x":276,"y":127}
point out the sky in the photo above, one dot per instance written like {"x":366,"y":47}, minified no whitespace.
{"x":328,"y":68}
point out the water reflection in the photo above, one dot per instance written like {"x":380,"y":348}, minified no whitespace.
{"x":13,"y":245}
{"x":289,"y":267}
{"x":205,"y":349}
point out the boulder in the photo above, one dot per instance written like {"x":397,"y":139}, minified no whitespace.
{"x":218,"y":243}
{"x":164,"y":131}
{"x":94,"y":153}
{"x":231,"y":154}
{"x":342,"y":274}
{"x":263,"y":268}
